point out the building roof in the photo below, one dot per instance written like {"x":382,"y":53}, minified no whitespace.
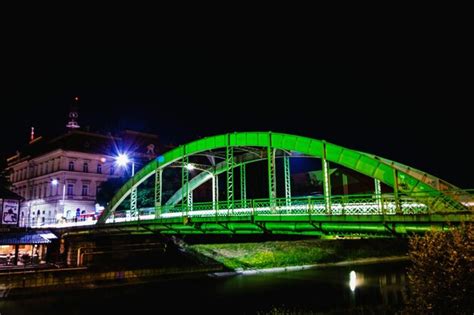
{"x":141,"y":144}
{"x":31,"y":237}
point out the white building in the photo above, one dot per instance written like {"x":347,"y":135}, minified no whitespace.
{"x":60,"y":178}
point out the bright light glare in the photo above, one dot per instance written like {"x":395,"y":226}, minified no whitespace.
{"x":54,"y":182}
{"x":122,"y":159}
{"x":353,"y":280}
{"x":190,"y":167}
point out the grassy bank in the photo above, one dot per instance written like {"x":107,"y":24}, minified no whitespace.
{"x":301,"y":252}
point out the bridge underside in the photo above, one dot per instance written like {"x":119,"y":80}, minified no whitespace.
{"x":289,"y":224}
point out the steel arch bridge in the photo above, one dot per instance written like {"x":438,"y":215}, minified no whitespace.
{"x":419,"y":201}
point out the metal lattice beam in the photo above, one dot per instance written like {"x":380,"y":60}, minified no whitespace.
{"x":215,"y":191}
{"x":287,"y":174}
{"x":133,"y":203}
{"x":378,"y":194}
{"x":271,"y":169}
{"x":158,"y":191}
{"x":243,"y":183}
{"x":185,"y":183}
{"x":326,"y":180}
{"x":229,"y":157}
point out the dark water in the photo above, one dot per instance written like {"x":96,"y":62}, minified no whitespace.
{"x":379,"y":289}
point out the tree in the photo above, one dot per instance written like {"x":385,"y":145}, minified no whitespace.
{"x":108,"y":190}
{"x":441,"y":278}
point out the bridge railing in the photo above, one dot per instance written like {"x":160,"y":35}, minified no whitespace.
{"x":362,"y":204}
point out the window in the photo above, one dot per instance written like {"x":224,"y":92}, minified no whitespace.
{"x":85,"y":167}
{"x":70,"y":189}
{"x":71,"y":166}
{"x":112,"y":170}
{"x":85,"y":190}
{"x":99,"y":168}
{"x":46,"y":167}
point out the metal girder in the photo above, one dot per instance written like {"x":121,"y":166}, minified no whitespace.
{"x":287,"y":174}
{"x":229,"y":158}
{"x":378,"y":194}
{"x":395,"y":191}
{"x":133,"y":202}
{"x":158,"y":190}
{"x":271,"y":173}
{"x":243,"y":183}
{"x":326,"y":180}
{"x":215,"y":191}
{"x":185,"y":184}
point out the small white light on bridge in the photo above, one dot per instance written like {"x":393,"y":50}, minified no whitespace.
{"x":190,"y":167}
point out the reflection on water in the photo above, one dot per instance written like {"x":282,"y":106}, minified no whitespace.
{"x":353,"y":280}
{"x":358,"y":289}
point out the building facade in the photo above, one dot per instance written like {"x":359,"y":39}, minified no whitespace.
{"x":59,"y":178}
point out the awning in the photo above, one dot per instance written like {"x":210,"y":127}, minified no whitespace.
{"x":37,"y":237}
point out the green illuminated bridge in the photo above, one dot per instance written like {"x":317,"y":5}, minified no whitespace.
{"x":403,"y":199}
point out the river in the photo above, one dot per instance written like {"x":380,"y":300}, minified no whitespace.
{"x":362,"y":289}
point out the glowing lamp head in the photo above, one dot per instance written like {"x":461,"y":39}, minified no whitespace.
{"x":122,"y":159}
{"x":54,"y":182}
{"x":103,"y":159}
{"x":190,"y":167}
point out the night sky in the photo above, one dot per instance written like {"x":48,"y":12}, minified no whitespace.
{"x":411,"y":109}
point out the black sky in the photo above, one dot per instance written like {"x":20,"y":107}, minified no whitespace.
{"x":405,"y":104}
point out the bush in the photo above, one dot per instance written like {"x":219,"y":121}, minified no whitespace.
{"x":441,"y":278}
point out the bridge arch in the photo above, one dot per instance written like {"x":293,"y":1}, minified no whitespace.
{"x":402,"y":178}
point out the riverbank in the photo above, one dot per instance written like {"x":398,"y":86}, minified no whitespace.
{"x":278,"y":255}
{"x":35,"y":282}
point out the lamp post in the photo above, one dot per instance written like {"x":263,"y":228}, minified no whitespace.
{"x":122,"y":160}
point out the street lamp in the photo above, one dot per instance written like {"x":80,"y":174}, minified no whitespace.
{"x":122,"y":160}
{"x":54,"y":184}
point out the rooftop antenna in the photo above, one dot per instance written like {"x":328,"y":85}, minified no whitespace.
{"x":72,"y":124}
{"x":32,"y":136}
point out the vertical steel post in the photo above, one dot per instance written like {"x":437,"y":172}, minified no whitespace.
{"x":326,"y":180}
{"x":185,"y":183}
{"x":286,"y":165}
{"x":378,"y":194}
{"x":158,"y":190}
{"x":133,"y":195}
{"x":229,"y":155}
{"x":243,"y":185}
{"x":398,"y":209}
{"x":271,"y":172}
{"x":215,"y":191}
